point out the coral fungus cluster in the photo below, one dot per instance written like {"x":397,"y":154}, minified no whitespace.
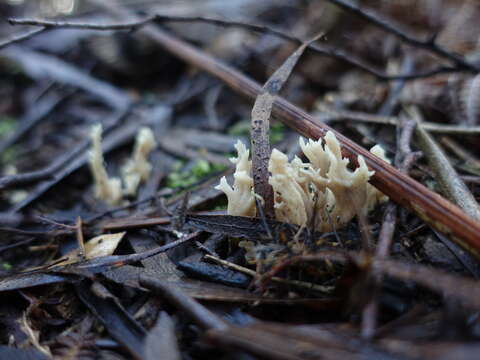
{"x":135,"y":170}
{"x":323,"y":191}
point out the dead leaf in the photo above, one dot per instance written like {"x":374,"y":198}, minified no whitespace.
{"x":102,"y":245}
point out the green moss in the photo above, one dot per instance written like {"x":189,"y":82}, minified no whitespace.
{"x":201,"y":168}
{"x":184,"y":179}
{"x":242,"y":128}
{"x":6,"y":266}
{"x":220,"y":207}
{"x":7,"y":125}
{"x":8,"y":156}
{"x":277,"y":132}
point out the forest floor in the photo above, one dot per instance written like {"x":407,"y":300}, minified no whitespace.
{"x":118,"y":121}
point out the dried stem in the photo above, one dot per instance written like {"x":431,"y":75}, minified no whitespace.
{"x":469,"y":159}
{"x":328,"y":114}
{"x":452,"y":186}
{"x":404,"y":160}
{"x":21,"y":37}
{"x":455,"y":287}
{"x":316,"y":48}
{"x":198,"y":312}
{"x":296,"y":283}
{"x":80,"y":239}
{"x":429,"y":44}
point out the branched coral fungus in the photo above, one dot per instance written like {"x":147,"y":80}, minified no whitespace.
{"x":137,"y":168}
{"x":106,"y":189}
{"x":323,"y":191}
{"x":241,"y":201}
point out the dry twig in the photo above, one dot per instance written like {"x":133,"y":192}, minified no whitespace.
{"x":338,"y":54}
{"x":16,"y":38}
{"x":328,"y":114}
{"x":429,"y":44}
{"x":200,"y":314}
{"x":296,"y":283}
{"x":403,"y":161}
{"x":452,"y":186}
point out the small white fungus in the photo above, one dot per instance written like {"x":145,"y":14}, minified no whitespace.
{"x":137,"y":168}
{"x":106,"y":189}
{"x":323,"y":191}
{"x":241,"y":200}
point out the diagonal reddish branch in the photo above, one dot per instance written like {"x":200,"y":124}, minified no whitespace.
{"x":431,"y":207}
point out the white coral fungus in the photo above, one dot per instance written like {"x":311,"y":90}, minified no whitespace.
{"x":106,"y":189}
{"x":241,"y":200}
{"x":137,"y":168}
{"x":323,"y":191}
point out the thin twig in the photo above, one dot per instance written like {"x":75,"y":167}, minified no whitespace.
{"x":469,"y":159}
{"x":46,"y":173}
{"x":471,"y":179}
{"x":40,"y":65}
{"x":429,"y":44}
{"x":455,"y":287}
{"x":202,"y":316}
{"x":263,"y":218}
{"x":297,"y":283}
{"x":102,"y":263}
{"x":451,"y":185}
{"x":82,"y":25}
{"x":17,"y":244}
{"x":36,"y":113}
{"x":328,"y":114}
{"x":163,"y":192}
{"x":80,"y":239}
{"x":135,"y":223}
{"x":259,"y":28}
{"x":404,"y":160}
{"x":16,"y":38}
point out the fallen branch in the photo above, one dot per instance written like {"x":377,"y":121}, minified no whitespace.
{"x":451,"y":185}
{"x":253,"y":274}
{"x":453,"y":287}
{"x":202,"y":316}
{"x":329,"y":114}
{"x":35,"y":114}
{"x":16,"y":38}
{"x":429,"y":44}
{"x":259,"y":28}
{"x":38,"y":65}
{"x":404,"y":160}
